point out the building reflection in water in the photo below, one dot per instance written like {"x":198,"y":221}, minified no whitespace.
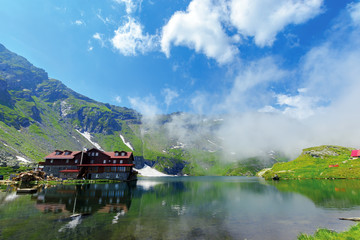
{"x":74,"y":200}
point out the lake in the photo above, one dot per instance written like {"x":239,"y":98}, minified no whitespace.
{"x":180,"y":208}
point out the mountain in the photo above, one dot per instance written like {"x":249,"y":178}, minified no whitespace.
{"x":39,"y":114}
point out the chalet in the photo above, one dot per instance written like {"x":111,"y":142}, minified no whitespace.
{"x":90,"y":164}
{"x":355,"y":154}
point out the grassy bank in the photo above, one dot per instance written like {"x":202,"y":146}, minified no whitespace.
{"x":324,"y":234}
{"x":323,"y":162}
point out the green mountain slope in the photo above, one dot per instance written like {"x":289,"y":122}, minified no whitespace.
{"x":323,"y":162}
{"x":39,"y":115}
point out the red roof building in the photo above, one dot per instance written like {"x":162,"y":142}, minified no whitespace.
{"x":355,"y":153}
{"x":90,"y":164}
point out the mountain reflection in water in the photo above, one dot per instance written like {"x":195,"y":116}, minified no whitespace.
{"x":181,"y":208}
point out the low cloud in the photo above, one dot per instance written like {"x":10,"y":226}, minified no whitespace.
{"x":147,"y":106}
{"x":251,"y":88}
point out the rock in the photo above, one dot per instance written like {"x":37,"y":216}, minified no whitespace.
{"x":355,"y":219}
{"x":276,"y":177}
{"x":30,"y":176}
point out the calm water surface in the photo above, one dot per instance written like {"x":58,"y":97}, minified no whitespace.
{"x":180,"y":208}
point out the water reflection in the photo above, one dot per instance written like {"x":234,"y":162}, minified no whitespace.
{"x":86,"y":199}
{"x":330,"y":194}
{"x":181,"y":208}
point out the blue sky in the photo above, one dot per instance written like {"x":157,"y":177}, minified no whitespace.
{"x":202,"y":56}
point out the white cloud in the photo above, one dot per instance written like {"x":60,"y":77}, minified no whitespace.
{"x":147,"y":106}
{"x":200,"y":103}
{"x":250,"y":87}
{"x":131,"y":5}
{"x":298,"y":106}
{"x":264,"y":19}
{"x":199,"y":28}
{"x":105,"y":20}
{"x":79,"y":22}
{"x":129,"y":39}
{"x":354,"y":10}
{"x":99,"y":37}
{"x":170,"y":95}
{"x":206,"y":24}
{"x":117,"y":99}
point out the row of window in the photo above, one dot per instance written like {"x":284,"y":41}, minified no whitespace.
{"x":97,"y":154}
{"x":59,"y":153}
{"x":93,"y":154}
{"x":90,"y":153}
{"x":93,"y":161}
{"x":67,"y":161}
{"x":108,"y":161}
{"x":121,"y":154}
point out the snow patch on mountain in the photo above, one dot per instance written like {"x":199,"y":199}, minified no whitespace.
{"x":22,"y":159}
{"x":65,"y":108}
{"x":88,"y":136}
{"x":128,"y":144}
{"x":179,"y":145}
{"x":147,"y":171}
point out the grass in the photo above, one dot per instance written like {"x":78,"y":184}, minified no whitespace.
{"x":315,"y":163}
{"x":324,"y":234}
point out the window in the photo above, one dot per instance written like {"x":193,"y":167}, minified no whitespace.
{"x":67,"y":160}
{"x":113,"y":169}
{"x":76,"y":161}
{"x":121,"y":161}
{"x":57,"y":153}
{"x":97,"y":175}
{"x":104,"y":161}
{"x":67,"y":153}
{"x":122,"y":153}
{"x":92,"y":161}
{"x":97,"y":154}
{"x":116,"y":153}
{"x":114,"y":161}
{"x":52,"y":160}
{"x":117,"y":175}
